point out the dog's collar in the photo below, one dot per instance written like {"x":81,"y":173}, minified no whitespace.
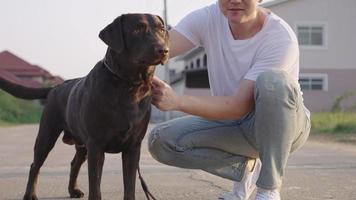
{"x":130,"y":82}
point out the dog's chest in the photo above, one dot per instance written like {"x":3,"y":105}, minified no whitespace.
{"x":141,"y":91}
{"x":134,"y":128}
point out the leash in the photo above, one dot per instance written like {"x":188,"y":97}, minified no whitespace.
{"x":130,"y":82}
{"x":144,"y":186}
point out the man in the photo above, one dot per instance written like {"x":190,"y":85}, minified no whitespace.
{"x":256,"y":112}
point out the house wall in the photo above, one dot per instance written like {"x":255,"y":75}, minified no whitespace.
{"x":337,"y":58}
{"x":339,"y":82}
{"x":341,"y":41}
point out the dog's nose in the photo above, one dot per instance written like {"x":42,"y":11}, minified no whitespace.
{"x":162,"y":50}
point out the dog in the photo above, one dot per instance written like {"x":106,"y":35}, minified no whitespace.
{"x":108,"y":110}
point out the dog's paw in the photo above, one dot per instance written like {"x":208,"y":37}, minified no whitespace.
{"x":30,"y":197}
{"x":76,"y":193}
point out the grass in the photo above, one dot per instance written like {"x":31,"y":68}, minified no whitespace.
{"x":334,"y":123}
{"x":340,"y":126}
{"x":18,"y":111}
{"x":5,"y":124}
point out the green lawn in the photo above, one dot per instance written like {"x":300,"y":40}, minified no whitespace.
{"x":340,"y":126}
{"x":18,"y":111}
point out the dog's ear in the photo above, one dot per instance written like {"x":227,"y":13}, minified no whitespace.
{"x":113,"y":36}
{"x":160,"y":18}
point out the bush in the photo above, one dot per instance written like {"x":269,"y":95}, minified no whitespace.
{"x":14,"y":110}
{"x":334,"y":122}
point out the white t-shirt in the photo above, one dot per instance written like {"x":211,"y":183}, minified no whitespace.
{"x":230,"y":60}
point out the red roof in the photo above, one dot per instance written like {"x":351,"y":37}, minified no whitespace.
{"x":17,"y":70}
{"x":10,"y":61}
{"x":12,"y":78}
{"x":55,"y":80}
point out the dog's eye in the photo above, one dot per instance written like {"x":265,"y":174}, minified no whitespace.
{"x":136,"y":31}
{"x":162,"y":29}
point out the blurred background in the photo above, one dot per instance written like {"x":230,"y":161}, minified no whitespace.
{"x":45,"y":42}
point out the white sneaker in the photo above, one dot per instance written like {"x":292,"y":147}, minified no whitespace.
{"x":242,"y":190}
{"x":229,"y":196}
{"x":263,"y":194}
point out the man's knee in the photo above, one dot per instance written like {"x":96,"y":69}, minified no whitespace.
{"x":274,"y":86}
{"x":159,"y":144}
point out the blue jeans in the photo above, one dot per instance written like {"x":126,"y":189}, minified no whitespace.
{"x":277,"y":126}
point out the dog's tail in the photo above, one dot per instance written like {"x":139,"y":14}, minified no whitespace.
{"x":144,"y":185}
{"x":23,"y":92}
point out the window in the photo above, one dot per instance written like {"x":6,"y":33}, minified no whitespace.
{"x":311,"y":35}
{"x":205,"y":61}
{"x":313,"y":82}
{"x":198,"y":62}
{"x":191,"y":65}
{"x":197,"y":79}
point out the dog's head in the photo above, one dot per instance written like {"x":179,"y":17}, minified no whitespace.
{"x":143,"y":38}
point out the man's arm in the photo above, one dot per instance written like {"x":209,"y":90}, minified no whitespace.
{"x":178,"y":44}
{"x":210,"y":107}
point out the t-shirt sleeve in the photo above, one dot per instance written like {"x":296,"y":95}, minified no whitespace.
{"x":280,"y":54}
{"x":193,"y":25}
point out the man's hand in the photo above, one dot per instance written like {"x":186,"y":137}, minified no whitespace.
{"x":164,"y":98}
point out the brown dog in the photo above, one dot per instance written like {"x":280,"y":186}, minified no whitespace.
{"x":105,"y":112}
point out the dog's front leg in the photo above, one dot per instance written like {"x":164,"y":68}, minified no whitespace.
{"x":78,"y":160}
{"x":96,"y":159}
{"x":130,"y":159}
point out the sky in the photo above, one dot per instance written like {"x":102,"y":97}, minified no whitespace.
{"x":62,"y":35}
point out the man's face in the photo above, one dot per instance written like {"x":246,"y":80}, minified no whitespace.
{"x":239,"y":11}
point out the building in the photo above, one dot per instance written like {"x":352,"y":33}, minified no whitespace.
{"x":195,"y":72}
{"x":327,"y":49}
{"x":15,"y":69}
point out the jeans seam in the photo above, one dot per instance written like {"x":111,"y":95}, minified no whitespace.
{"x":303,"y":131}
{"x":188,"y":132}
{"x":201,"y":156}
{"x":191,"y":149}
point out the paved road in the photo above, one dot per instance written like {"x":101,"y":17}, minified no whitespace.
{"x":320,"y":170}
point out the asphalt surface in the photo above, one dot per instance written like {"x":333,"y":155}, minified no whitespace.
{"x":320,"y":170}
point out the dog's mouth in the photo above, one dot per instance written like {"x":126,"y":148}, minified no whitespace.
{"x":162,"y":60}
